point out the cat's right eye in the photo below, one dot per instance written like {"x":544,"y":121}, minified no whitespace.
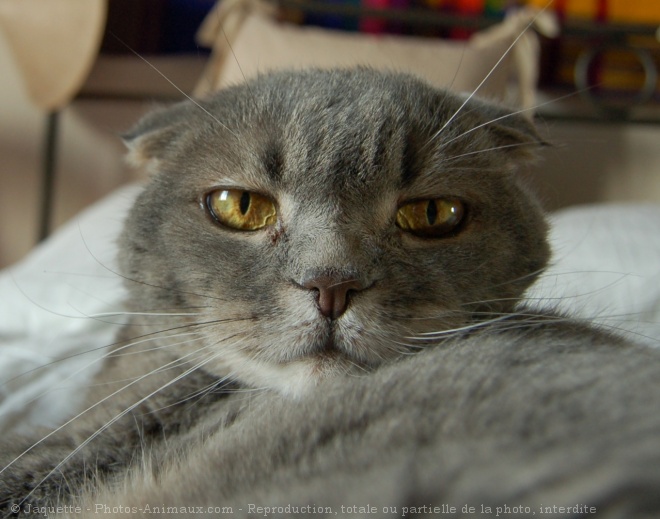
{"x":241,"y":210}
{"x":431,"y":218}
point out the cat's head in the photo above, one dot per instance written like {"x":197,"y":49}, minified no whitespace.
{"x":322,"y":222}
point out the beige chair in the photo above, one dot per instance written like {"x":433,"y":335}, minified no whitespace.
{"x":54,"y":45}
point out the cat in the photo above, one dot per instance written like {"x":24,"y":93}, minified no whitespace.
{"x":341,"y":255}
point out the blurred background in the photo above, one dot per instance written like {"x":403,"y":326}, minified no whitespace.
{"x":598,"y":94}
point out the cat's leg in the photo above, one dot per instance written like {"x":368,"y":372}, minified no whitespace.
{"x":125,"y":417}
{"x":56,"y":470}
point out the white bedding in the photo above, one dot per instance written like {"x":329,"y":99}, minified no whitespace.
{"x":58,"y":302}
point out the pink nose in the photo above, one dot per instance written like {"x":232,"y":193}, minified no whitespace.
{"x":332,"y":293}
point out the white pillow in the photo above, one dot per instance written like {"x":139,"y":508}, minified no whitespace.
{"x":49,"y":310}
{"x":606,"y":268}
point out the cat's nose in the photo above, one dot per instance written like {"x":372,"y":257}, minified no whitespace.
{"x":333,"y":293}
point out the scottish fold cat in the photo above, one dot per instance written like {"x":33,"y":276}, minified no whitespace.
{"x":324,"y":276}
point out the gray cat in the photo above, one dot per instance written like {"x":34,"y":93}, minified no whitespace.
{"x":340,"y":255}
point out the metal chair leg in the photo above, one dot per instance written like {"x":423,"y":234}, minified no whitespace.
{"x":49,"y":166}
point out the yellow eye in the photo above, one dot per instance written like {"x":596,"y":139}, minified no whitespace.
{"x":242,"y":210}
{"x":431,"y":218}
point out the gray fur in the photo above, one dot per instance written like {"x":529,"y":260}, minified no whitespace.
{"x":522,"y":417}
{"x":277,"y":404}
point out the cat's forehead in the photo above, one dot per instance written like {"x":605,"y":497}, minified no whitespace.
{"x":355,"y":130}
{"x":340,"y":133}
{"x":294,"y":94}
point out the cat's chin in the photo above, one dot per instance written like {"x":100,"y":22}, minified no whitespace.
{"x":294,"y":379}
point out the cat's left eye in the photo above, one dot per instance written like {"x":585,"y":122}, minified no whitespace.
{"x":241,"y":210}
{"x":431,"y":218}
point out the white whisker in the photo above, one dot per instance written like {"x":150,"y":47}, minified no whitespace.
{"x":486,"y":150}
{"x":488,"y":75}
{"x":506,"y":116}
{"x":451,"y":331}
{"x":82,"y":413}
{"x":158,"y":348}
{"x":191,"y":99}
{"x":107,"y":424}
{"x":149,"y":314}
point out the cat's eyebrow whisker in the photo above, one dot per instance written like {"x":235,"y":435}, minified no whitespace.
{"x":506,"y":116}
{"x":458,"y":68}
{"x":486,"y":150}
{"x":488,"y":75}
{"x":191,"y":99}
{"x":231,"y":49}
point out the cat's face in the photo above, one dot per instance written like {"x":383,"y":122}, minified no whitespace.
{"x":319,"y":222}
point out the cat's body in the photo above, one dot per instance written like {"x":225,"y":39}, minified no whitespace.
{"x":339,"y":255}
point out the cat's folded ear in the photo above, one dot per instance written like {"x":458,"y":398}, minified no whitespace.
{"x":514,"y":132}
{"x":154,"y":134}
